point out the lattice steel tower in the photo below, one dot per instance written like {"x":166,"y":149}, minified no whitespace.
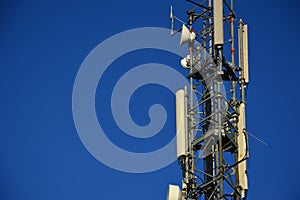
{"x":212,"y":141}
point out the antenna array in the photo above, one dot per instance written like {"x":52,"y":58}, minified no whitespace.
{"x":212,"y":141}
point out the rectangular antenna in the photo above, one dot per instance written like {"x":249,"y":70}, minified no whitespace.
{"x":242,"y":152}
{"x":174,"y":193}
{"x":180,"y":123}
{"x":218,"y":23}
{"x":245,"y":54}
{"x":243,"y":51}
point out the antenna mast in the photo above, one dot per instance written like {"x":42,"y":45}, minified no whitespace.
{"x":212,"y":141}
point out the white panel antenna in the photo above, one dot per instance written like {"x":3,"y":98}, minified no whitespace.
{"x":174,"y":193}
{"x":245,"y":54}
{"x":242,"y":152}
{"x":180,"y":123}
{"x":218,"y":23}
{"x":243,"y":48}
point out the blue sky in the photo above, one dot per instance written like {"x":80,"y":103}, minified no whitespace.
{"x":43,"y":44}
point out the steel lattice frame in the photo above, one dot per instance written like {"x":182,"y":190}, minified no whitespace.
{"x":210,"y":164}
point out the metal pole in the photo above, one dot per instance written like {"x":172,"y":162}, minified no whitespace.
{"x":233,"y":50}
{"x":191,"y":131}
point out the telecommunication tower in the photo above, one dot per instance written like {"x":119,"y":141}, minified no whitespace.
{"x":212,"y":141}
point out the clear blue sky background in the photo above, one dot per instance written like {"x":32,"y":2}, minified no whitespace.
{"x":42,"y":45}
